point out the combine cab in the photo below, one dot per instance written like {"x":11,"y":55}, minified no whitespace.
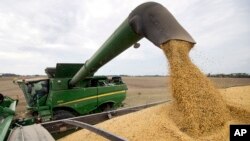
{"x":52,"y":97}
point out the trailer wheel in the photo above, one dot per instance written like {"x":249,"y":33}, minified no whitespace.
{"x":62,"y":114}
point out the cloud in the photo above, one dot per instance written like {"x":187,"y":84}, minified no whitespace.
{"x":37,"y":34}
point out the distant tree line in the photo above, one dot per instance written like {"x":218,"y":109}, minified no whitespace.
{"x":16,"y":75}
{"x":221,"y":75}
{"x":231,"y":75}
{"x":8,"y":75}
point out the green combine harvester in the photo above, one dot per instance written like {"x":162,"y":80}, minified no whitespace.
{"x":53,"y":98}
{"x":72,"y":89}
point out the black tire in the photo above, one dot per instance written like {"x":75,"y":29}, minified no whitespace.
{"x":106,"y":107}
{"x":62,"y":114}
{"x":34,"y":114}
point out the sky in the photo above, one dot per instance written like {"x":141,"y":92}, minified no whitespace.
{"x":35,"y":34}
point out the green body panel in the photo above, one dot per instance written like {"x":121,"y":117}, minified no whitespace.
{"x":72,"y":98}
{"x":67,"y":70}
{"x":46,"y":115}
{"x":86,"y":100}
{"x":59,"y":84}
{"x":111,"y":94}
{"x":4,"y":127}
{"x":42,"y":101}
{"x":7,"y":113}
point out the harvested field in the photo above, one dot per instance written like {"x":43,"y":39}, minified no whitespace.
{"x":141,"y":90}
{"x":8,"y":88}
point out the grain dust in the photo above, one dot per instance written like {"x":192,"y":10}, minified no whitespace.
{"x":200,"y":105}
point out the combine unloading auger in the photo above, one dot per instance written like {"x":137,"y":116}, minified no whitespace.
{"x":150,"y":20}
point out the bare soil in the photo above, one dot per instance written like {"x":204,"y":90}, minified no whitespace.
{"x":141,"y":90}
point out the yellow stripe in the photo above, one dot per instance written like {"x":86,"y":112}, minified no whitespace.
{"x":91,"y":97}
{"x":107,"y":94}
